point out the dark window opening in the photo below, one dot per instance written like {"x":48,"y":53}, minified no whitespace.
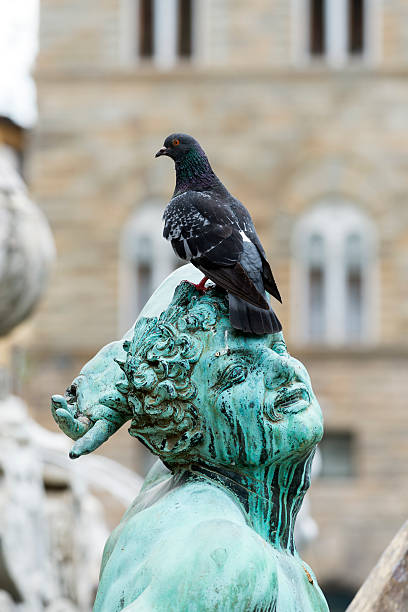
{"x":143,"y":272}
{"x":354,"y":287}
{"x":354,"y":309}
{"x":337,"y":449}
{"x":144,"y":284}
{"x":184,"y":47}
{"x":316,"y":281}
{"x":146,"y":21}
{"x":316,"y":303}
{"x":356,"y":26}
{"x":317,"y":27}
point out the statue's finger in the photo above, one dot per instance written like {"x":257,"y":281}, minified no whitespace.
{"x":60,"y":401}
{"x":102,"y":412}
{"x":57,"y":401}
{"x":97,"y":435}
{"x":74,"y":428}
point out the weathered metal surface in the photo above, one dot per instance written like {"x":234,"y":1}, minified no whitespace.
{"x":235,"y":418}
{"x":386,"y":588}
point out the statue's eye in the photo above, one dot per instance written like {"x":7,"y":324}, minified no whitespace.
{"x":234,"y":375}
{"x":175,"y":142}
{"x":280,"y":348}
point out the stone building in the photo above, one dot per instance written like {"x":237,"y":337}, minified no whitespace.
{"x":302,"y":106}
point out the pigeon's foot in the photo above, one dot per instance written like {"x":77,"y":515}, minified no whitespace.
{"x":201,"y":285}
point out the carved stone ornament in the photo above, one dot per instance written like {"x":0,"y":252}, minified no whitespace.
{"x":235,"y":420}
{"x":26,"y":246}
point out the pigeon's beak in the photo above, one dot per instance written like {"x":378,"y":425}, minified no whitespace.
{"x":162,"y":151}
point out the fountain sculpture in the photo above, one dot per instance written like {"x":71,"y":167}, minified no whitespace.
{"x":234,"y":419}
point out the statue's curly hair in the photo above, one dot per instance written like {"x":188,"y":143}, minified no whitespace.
{"x":159,"y":364}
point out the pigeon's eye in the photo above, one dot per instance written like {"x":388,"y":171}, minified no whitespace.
{"x":175,"y":142}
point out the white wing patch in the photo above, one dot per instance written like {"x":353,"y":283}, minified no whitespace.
{"x":244,"y":237}
{"x":187,"y":249}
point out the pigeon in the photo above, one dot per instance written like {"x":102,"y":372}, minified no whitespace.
{"x":209,"y":227}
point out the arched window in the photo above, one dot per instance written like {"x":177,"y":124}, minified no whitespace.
{"x":158,"y":30}
{"x":334,"y":286}
{"x":146,"y":258}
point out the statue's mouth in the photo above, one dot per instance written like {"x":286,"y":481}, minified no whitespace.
{"x":292,"y":399}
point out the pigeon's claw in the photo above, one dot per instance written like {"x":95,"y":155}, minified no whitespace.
{"x":201,"y":285}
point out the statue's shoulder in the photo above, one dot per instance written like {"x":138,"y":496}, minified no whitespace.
{"x":182,"y":507}
{"x":194,"y":542}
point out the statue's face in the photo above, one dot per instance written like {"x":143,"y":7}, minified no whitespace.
{"x":201,"y":390}
{"x":256,"y":400}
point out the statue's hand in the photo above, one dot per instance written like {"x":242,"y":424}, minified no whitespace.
{"x":91,"y":411}
{"x":74,"y":427}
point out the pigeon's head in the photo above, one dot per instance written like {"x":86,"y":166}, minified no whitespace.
{"x":177,"y":146}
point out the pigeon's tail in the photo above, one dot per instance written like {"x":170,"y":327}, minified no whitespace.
{"x":251,"y":319}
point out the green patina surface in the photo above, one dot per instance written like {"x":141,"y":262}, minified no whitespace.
{"x":235,"y":420}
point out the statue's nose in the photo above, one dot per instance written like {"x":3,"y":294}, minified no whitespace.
{"x":279,"y":371}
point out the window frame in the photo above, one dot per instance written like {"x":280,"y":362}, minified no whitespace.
{"x":318,"y":219}
{"x":144,"y":222}
{"x":165,"y":34}
{"x":336,"y":53}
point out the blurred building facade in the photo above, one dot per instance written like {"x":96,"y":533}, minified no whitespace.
{"x":302,"y":107}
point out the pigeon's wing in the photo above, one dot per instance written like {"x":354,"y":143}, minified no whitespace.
{"x":246,"y":225}
{"x":198,"y":225}
{"x":269,"y":281}
{"x":235,"y":280}
{"x":204,"y":231}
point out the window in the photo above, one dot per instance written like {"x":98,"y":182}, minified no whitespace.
{"x":317,"y":27}
{"x":334,"y":285}
{"x":160,"y":31}
{"x":143,"y":271}
{"x":184,"y":47}
{"x":145,"y":261}
{"x":356,"y":26}
{"x":337,"y":450}
{"x":354,"y":258}
{"x":316,"y":281}
{"x":336,"y":31}
{"x":146,"y":20}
